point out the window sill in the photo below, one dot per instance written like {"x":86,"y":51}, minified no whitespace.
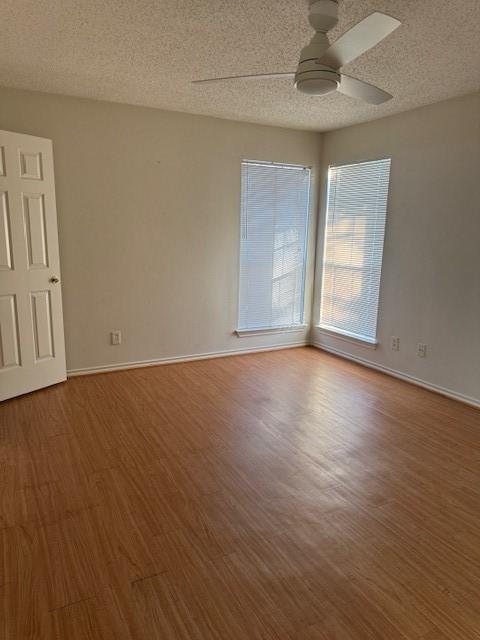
{"x":245,"y":333}
{"x":346,"y":337}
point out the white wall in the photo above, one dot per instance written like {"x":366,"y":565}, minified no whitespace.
{"x":430,"y":290}
{"x":148,"y":209}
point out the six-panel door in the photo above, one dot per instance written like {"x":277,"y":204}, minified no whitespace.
{"x":32,"y":350}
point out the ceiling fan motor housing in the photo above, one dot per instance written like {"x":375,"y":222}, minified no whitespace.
{"x":315,"y":79}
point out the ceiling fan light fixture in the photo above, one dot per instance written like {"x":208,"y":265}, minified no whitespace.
{"x":316,"y":86}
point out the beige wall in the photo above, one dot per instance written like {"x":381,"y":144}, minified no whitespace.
{"x":148,"y":208}
{"x":430,"y":289}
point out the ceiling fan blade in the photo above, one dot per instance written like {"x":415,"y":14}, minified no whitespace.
{"x":362,"y":37}
{"x":255,"y":76}
{"x":362,"y":90}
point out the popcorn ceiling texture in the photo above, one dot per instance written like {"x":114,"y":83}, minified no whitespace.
{"x":146,"y":52}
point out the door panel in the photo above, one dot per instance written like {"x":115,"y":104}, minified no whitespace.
{"x":9,"y":347}
{"x":5,"y":234}
{"x":32,"y":349}
{"x":42,"y":324}
{"x":35,"y":231}
{"x":31,"y":165}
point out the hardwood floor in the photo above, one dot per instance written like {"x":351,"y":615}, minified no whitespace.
{"x":288,"y":495}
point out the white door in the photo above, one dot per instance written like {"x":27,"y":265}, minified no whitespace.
{"x":32,"y":348}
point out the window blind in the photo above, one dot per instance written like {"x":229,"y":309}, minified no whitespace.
{"x":274,"y":222}
{"x":353,"y":250}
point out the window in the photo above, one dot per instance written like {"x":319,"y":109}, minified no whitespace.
{"x":274,"y":222}
{"x":354,"y":236}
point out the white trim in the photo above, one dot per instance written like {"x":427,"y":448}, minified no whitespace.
{"x":175,"y":359}
{"x":368,"y":343}
{"x":270,"y":163}
{"x":244,"y":333}
{"x":473,"y":402}
{"x":454,"y":395}
{"x":352,"y":163}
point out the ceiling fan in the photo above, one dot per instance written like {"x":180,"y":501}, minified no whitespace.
{"x":318,"y":70}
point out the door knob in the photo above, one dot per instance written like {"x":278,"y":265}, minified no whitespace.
{"x":54,"y":280}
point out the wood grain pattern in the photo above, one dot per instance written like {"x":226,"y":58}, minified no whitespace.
{"x":280,"y":496}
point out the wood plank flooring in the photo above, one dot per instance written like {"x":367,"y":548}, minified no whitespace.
{"x":287,"y":495}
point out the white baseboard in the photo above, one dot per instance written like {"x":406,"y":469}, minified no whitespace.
{"x":454,"y":395}
{"x":289,"y":345}
{"x":188,"y":358}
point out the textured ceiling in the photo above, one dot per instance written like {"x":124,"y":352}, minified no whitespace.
{"x":146,"y":52}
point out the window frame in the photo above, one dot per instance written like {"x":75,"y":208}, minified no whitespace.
{"x":291,"y":328}
{"x":328,"y":330}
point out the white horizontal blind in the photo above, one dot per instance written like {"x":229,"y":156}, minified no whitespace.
{"x":274,"y":221}
{"x":354,"y":237}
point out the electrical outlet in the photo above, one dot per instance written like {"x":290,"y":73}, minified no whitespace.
{"x":395,"y":343}
{"x":116,"y":337}
{"x":422,"y":350}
